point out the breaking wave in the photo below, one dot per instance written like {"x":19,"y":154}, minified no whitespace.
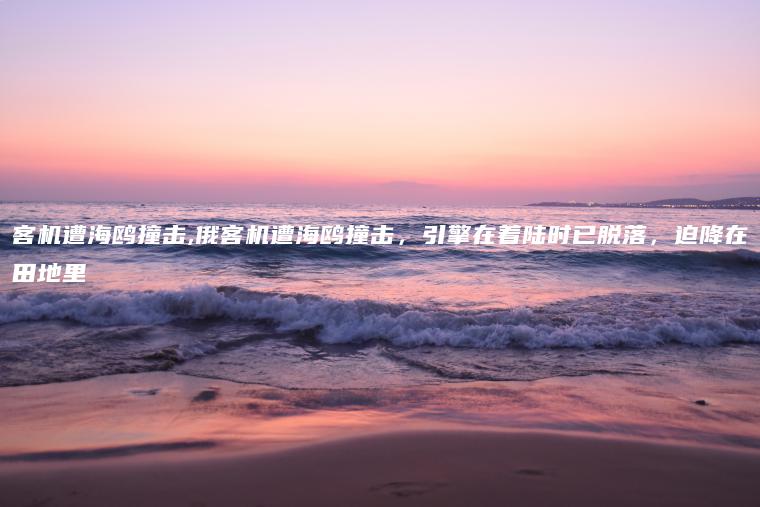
{"x":619,"y":320}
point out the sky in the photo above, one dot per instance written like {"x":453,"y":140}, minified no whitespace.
{"x":349,"y":101}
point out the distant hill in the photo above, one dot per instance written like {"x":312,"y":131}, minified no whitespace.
{"x":678,"y":202}
{"x":688,"y":202}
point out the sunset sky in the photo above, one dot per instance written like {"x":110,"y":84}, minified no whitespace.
{"x":467,"y":101}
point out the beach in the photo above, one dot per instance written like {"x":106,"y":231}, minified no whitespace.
{"x":426,"y":468}
{"x":295,"y":253}
{"x":166,"y":439}
{"x":380,"y":374}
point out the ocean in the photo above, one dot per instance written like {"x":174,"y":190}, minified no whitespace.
{"x":357,"y":316}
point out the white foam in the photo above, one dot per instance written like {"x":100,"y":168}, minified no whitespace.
{"x":337,"y":321}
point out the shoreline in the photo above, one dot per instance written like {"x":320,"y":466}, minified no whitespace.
{"x":121,"y":411}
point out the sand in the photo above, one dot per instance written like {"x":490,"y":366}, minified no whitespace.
{"x":163,"y":439}
{"x":410,"y":468}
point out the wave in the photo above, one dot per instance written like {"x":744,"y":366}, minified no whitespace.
{"x":632,"y":321}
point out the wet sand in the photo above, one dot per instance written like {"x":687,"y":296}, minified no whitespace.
{"x":163,"y":439}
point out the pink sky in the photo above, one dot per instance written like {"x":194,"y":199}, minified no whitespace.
{"x":461,"y":101}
